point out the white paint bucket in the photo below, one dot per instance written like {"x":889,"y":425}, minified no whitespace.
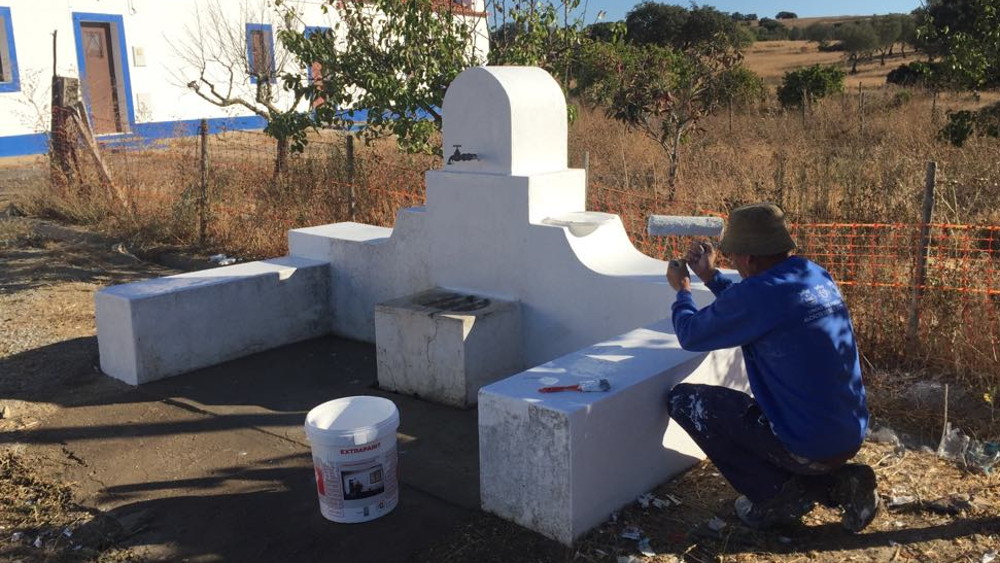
{"x":353,"y":443}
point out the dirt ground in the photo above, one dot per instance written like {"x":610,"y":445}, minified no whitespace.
{"x":934,"y":510}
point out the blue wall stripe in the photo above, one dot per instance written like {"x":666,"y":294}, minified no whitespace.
{"x":21,"y":145}
{"x":143,"y":134}
{"x":188,"y":127}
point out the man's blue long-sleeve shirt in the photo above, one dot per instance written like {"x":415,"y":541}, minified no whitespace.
{"x":799,"y":349}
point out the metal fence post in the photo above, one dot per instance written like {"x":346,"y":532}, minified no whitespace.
{"x":203,"y":196}
{"x":920,"y":272}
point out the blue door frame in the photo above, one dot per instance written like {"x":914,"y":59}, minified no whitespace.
{"x":118,"y":23}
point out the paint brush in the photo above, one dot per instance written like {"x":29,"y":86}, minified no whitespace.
{"x":596,"y":385}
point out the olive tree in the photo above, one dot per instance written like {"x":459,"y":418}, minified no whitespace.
{"x":660,"y":91}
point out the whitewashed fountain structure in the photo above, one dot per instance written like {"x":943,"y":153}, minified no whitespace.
{"x":502,"y":270}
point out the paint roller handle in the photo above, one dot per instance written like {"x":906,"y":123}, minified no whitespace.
{"x":701,"y":258}
{"x":559,"y":388}
{"x":677,"y":275}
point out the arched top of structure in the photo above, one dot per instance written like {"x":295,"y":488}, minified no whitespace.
{"x":512,"y":118}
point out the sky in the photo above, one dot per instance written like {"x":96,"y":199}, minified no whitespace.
{"x":616,"y":9}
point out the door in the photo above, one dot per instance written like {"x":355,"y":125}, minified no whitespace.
{"x":100,"y":83}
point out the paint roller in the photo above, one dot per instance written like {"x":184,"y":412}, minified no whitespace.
{"x":671,"y":225}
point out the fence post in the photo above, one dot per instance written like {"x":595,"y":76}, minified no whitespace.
{"x":203,"y":196}
{"x":586,"y":174}
{"x":351,"y":201}
{"x":861,"y":108}
{"x":920,"y":273}
{"x":805,"y":101}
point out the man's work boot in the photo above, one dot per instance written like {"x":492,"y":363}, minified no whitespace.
{"x":854,"y":489}
{"x":790,"y":504}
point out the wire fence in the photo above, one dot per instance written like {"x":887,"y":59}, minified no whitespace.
{"x":222,"y":191}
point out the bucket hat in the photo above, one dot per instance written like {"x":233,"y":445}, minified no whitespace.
{"x":757,"y":230}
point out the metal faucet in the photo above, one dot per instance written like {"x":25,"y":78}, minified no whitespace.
{"x":459,"y":156}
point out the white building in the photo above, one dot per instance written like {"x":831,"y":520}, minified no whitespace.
{"x":134,"y":59}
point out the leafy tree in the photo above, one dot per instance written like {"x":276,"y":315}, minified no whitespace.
{"x":857,"y":39}
{"x":965,"y":123}
{"x":652,"y":23}
{"x":810,"y":83}
{"x":219,"y":71}
{"x":966,"y":34}
{"x":907,"y":32}
{"x":738,"y":86}
{"x":771,"y":30}
{"x":603,"y":31}
{"x":660,"y":91}
{"x":393,"y":59}
{"x":705,"y":24}
{"x":819,"y":33}
{"x":915,"y":74}
{"x":543,"y":36}
{"x":786,"y":16}
{"x":887,"y":30}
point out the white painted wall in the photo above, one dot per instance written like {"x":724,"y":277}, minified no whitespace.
{"x":157,"y":28}
{"x":499,"y":226}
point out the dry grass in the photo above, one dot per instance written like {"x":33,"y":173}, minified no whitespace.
{"x":950,"y":516}
{"x":40,"y":522}
{"x":772,"y":59}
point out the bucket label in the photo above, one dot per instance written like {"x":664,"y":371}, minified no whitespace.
{"x":357,"y":483}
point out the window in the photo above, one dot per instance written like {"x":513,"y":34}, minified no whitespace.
{"x":260,"y":52}
{"x":8,"y":56}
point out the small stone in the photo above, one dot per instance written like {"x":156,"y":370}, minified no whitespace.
{"x":632,"y":533}
{"x":902,"y":500}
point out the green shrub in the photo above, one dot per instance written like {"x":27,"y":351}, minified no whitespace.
{"x":814,"y":82}
{"x":913,"y":74}
{"x":963,"y":124}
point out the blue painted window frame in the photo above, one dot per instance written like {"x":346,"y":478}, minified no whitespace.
{"x":309,"y":30}
{"x":119,"y":24}
{"x":14,"y":84}
{"x":265,"y":27}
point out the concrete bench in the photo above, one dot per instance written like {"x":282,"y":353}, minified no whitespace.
{"x":162,"y":327}
{"x":561,"y":463}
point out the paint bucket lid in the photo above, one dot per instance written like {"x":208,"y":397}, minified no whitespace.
{"x":351,"y":421}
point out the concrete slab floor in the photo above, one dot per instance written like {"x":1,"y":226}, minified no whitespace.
{"x":214,"y":466}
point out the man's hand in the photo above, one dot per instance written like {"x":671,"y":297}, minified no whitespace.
{"x":677,"y":275}
{"x":701,"y":257}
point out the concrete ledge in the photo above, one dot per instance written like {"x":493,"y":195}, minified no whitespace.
{"x":560,"y":463}
{"x":162,"y":327}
